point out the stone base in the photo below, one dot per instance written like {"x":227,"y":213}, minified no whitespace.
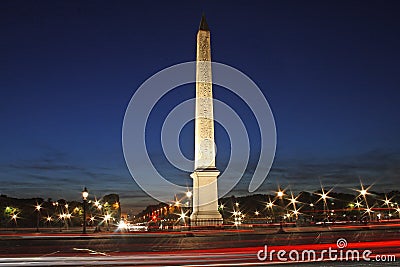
{"x":206,"y":218}
{"x":205,"y":198}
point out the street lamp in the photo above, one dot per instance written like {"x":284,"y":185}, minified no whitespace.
{"x":37,"y":208}
{"x":107,"y":219}
{"x":14,"y":217}
{"x":85,"y":194}
{"x":313,"y":211}
{"x":189,"y":196}
{"x":280,"y":194}
{"x":61,"y":219}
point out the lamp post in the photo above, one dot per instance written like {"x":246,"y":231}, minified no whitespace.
{"x":37,"y":208}
{"x":85,"y":194}
{"x":61,"y":218}
{"x":14,"y":217}
{"x":107,"y":219}
{"x":189,"y":196}
{"x":280,"y":195}
{"x":312,"y":212}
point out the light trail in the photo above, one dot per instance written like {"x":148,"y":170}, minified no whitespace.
{"x":204,"y":248}
{"x":204,"y":257}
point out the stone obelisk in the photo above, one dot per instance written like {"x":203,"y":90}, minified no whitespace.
{"x":205,"y":192}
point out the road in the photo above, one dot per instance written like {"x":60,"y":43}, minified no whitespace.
{"x":196,"y":248}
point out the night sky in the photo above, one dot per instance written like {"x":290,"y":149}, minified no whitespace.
{"x":329,"y":70}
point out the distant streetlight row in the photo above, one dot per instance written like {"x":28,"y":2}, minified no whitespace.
{"x":64,"y":216}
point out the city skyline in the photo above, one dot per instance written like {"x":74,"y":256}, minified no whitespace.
{"x":328,"y":70}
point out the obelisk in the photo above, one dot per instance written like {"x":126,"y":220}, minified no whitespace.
{"x":205,"y":192}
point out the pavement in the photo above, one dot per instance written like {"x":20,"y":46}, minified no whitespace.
{"x":198,"y":247}
{"x":76,"y":232}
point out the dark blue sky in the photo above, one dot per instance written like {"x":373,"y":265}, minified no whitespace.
{"x":329,"y":69}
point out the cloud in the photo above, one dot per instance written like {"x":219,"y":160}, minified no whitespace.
{"x":47,"y":166}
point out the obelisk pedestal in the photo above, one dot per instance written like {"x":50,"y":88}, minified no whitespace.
{"x":205,"y":198}
{"x":205,"y":190}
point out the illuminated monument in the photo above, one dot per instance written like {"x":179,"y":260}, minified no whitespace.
{"x":205,"y":192}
